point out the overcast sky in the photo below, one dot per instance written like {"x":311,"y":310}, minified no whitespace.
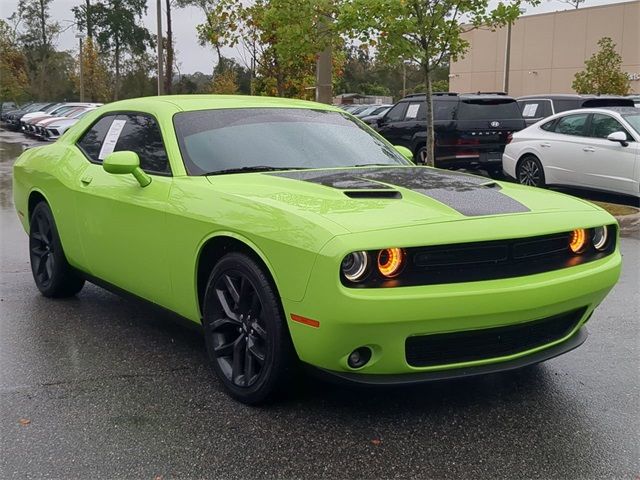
{"x":190,"y":55}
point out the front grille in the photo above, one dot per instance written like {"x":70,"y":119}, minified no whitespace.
{"x":471,"y":345}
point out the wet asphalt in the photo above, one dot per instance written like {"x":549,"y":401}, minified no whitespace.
{"x":99,"y":386}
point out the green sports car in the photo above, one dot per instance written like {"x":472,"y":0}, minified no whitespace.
{"x":293,"y":233}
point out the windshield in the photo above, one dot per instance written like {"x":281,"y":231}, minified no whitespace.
{"x":216,"y":140}
{"x":633,"y":119}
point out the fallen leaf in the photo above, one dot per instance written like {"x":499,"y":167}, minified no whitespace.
{"x":24,"y":422}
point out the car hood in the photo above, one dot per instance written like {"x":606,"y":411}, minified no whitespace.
{"x":373,"y":198}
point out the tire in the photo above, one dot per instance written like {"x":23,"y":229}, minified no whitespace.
{"x":421,"y":156}
{"x":248,"y":343}
{"x":495,"y":173}
{"x":53,"y":275}
{"x":530,"y":172}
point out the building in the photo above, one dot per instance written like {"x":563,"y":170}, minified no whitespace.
{"x":547,"y":50}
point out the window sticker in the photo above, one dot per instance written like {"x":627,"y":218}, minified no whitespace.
{"x":111,"y":138}
{"x":412,"y":111}
{"x":530,"y":110}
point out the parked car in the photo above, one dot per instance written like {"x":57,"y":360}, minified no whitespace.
{"x":636,"y":100}
{"x":56,"y":128}
{"x":372,"y":120}
{"x":471,"y":130}
{"x":7,"y":107}
{"x":290,"y":233}
{"x":39,"y":125}
{"x":12,"y":119}
{"x":536,"y":107}
{"x":372,"y":110}
{"x":28,"y":121}
{"x":589,"y":148}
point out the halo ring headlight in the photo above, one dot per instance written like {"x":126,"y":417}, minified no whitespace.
{"x":578,"y":240}
{"x":600,"y":238}
{"x":355,"y":266}
{"x":391,"y":261}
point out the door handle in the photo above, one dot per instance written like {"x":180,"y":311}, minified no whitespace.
{"x":588,"y":149}
{"x":545,"y":145}
{"x":86,"y":180}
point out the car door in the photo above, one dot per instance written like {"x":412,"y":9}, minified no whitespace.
{"x":123,"y":224}
{"x":563,"y":148}
{"x":391,"y":125}
{"x":609,"y":165}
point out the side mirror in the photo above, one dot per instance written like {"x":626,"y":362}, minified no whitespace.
{"x":126,"y":162}
{"x":620,"y":137}
{"x":380,"y":121}
{"x":405,"y":152}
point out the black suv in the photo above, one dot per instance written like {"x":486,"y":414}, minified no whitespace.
{"x":537,"y":107}
{"x":471,"y":129}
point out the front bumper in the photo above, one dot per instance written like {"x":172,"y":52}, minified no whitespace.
{"x":383,"y":319}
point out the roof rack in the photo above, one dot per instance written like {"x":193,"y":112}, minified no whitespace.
{"x":441,"y":94}
{"x":486,"y":93}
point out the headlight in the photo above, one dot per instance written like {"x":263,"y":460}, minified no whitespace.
{"x":355,"y":266}
{"x":390,"y":261}
{"x":599,"y":238}
{"x":578,"y":240}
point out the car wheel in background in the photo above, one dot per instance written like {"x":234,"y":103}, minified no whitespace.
{"x":246,"y":335}
{"x":421,"y":156}
{"x":52,"y":273}
{"x":530,"y":172}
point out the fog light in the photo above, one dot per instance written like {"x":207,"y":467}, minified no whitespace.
{"x":359,"y":357}
{"x":578,"y":240}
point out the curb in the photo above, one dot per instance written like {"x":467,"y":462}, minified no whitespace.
{"x":629,"y":223}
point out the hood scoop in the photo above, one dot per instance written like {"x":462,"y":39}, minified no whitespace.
{"x":373,"y":194}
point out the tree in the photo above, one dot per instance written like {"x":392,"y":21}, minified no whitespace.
{"x":225,"y":83}
{"x":96,"y":76}
{"x":14,"y":79}
{"x":117,"y":28}
{"x":603,"y":72}
{"x":168,"y":48}
{"x":427,"y":32}
{"x":37,"y":36}
{"x":573,"y":3}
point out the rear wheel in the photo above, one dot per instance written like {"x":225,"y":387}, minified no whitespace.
{"x":421,"y":156}
{"x":52,"y":273}
{"x":530,"y":172}
{"x":247,"y":340}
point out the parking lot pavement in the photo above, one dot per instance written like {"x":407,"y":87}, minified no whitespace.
{"x":103,"y":387}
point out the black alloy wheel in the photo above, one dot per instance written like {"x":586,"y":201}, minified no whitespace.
{"x":421,"y":156}
{"x":247,"y":340}
{"x":53,"y":275}
{"x":530,"y":172}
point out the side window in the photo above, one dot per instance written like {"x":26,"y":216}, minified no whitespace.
{"x":572,"y":124}
{"x":412,"y":111}
{"x":396,"y":113}
{"x":603,"y":125}
{"x":564,"y":105}
{"x":91,"y":142}
{"x":535,"y":108}
{"x":142,"y":135}
{"x":548,"y":126}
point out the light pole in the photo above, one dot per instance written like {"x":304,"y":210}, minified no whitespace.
{"x":80,"y":37}
{"x":160,"y":84}
{"x":507,"y":57}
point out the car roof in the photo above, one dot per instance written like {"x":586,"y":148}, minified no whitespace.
{"x":454,"y":97}
{"x":619,"y":110}
{"x":208,"y":102}
{"x":566,"y":96}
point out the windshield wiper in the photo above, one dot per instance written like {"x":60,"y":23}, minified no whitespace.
{"x":257,"y":168}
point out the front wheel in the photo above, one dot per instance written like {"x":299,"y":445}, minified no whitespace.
{"x":246,"y":335}
{"x":52,"y":273}
{"x":530,"y":172}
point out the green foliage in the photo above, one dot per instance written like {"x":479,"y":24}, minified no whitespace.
{"x":426,"y":32}
{"x":95,"y":73}
{"x":14,"y":80}
{"x":603,"y":72}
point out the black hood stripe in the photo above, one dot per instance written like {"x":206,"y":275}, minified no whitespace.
{"x":467,"y":194}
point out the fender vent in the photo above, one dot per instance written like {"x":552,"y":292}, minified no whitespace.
{"x":373,"y":194}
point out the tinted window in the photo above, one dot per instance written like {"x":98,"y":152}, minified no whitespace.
{"x":548,"y":126}
{"x":141,"y":134}
{"x":564,"y":105}
{"x":444,"y":110}
{"x":603,"y":125}
{"x":413,"y":110}
{"x":91,"y":141}
{"x":396,"y":113}
{"x":634,"y":120}
{"x":535,"y":108}
{"x":214,"y":140}
{"x":572,"y":124}
{"x":488,"y":110}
